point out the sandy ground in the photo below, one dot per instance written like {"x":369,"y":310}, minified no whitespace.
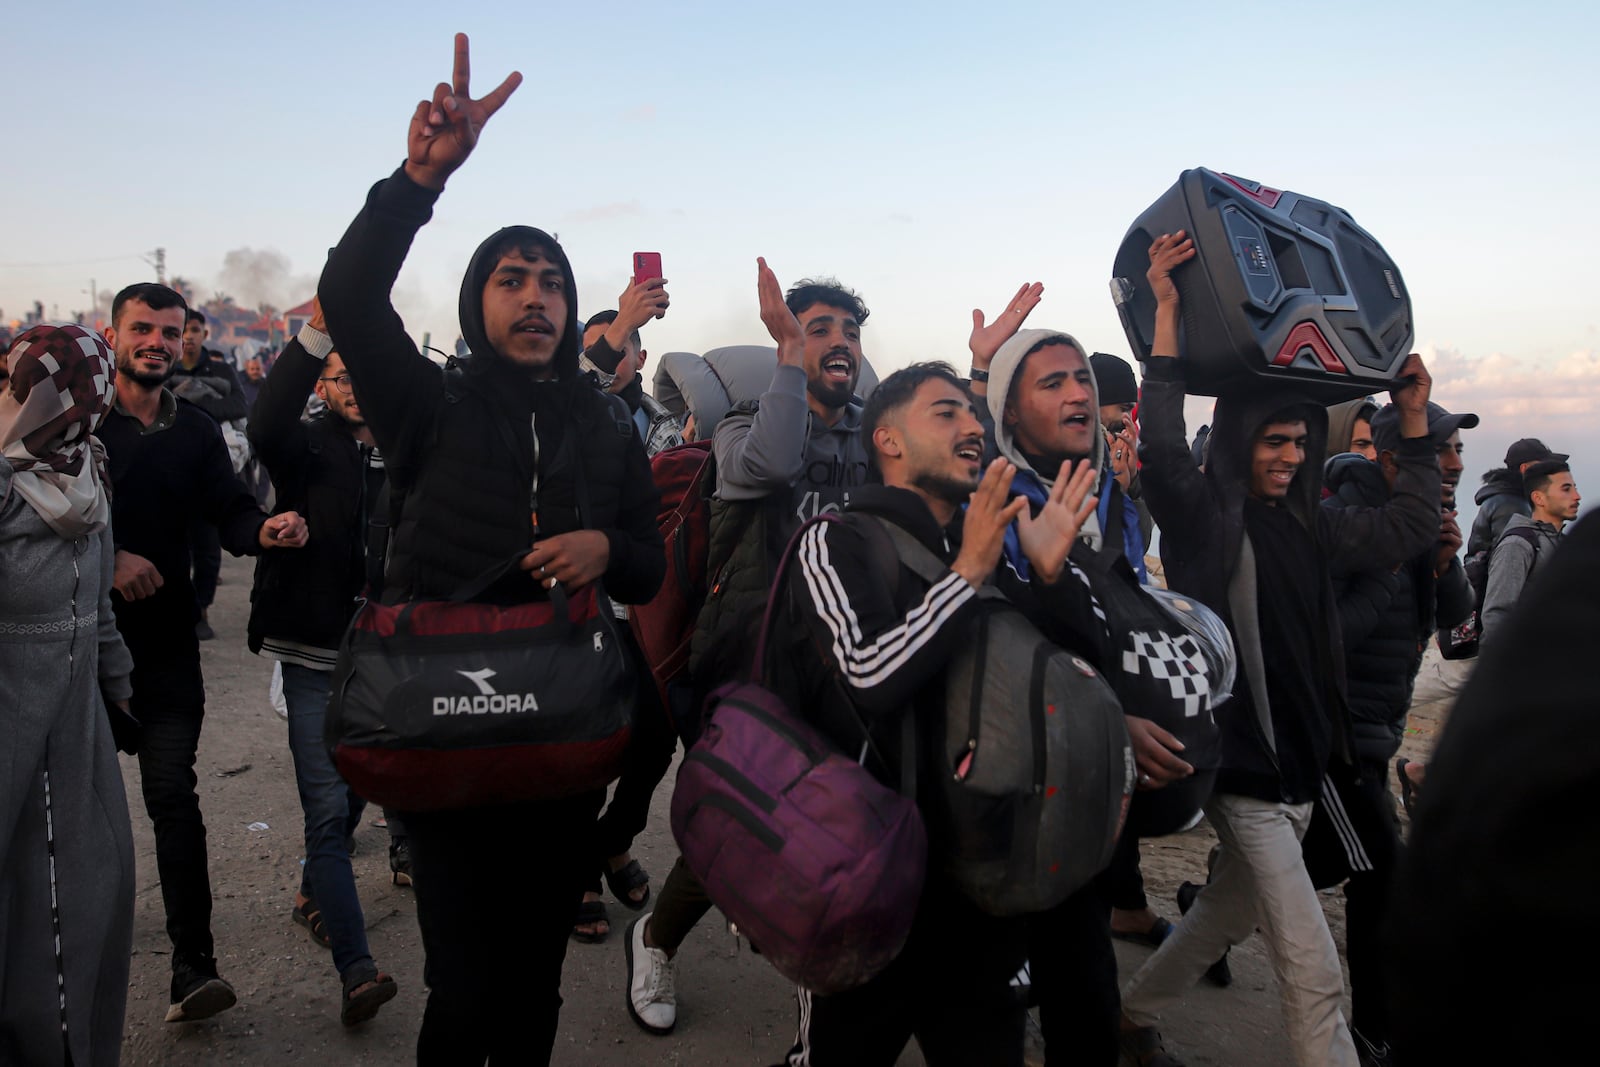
{"x":733,"y":1009}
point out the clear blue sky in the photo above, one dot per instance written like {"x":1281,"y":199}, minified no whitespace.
{"x":933,"y":156}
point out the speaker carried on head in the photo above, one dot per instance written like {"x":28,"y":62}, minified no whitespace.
{"x":1283,"y":288}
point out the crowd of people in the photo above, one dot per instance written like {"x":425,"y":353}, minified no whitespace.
{"x":1325,"y":538}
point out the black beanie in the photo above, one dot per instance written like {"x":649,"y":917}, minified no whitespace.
{"x":1114,"y":379}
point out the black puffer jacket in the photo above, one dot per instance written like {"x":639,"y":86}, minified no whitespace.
{"x":1498,"y":498}
{"x":477,"y":457}
{"x":1386,"y":616}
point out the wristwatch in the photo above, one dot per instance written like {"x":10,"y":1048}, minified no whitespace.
{"x":978,"y":375}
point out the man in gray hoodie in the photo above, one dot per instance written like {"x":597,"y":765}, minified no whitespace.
{"x":795,"y":454}
{"x":1527,"y":543}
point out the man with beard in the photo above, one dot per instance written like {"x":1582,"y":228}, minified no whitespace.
{"x":170,"y":469}
{"x":796,"y":453}
{"x":1247,"y":538}
{"x":1386,"y":615}
{"x":328,"y":469}
{"x":204,"y":379}
{"x":519,"y":457}
{"x":871,"y":647}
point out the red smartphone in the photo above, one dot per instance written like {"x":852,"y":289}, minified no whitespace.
{"x":646,"y":265}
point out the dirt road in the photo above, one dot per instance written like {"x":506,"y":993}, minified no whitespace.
{"x":733,"y":1009}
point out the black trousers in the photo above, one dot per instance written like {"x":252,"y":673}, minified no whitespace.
{"x":169,"y":702}
{"x":1122,"y":883}
{"x":1074,"y":970}
{"x":205,"y":554}
{"x":1354,"y":837}
{"x":497,"y":890}
{"x":648,"y":757}
{"x":949,"y":988}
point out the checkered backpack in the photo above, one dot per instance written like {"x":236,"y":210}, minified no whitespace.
{"x":1169,"y":671}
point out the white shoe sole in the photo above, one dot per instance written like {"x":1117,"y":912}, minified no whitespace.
{"x":627,"y":989}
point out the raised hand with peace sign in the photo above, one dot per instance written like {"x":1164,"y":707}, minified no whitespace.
{"x":444,"y":130}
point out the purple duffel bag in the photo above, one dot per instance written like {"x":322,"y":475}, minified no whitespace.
{"x":814,"y":859}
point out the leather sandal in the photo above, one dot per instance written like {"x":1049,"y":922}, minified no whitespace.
{"x":624,"y":881}
{"x":365,"y":989}
{"x":589,"y":913}
{"x":307,"y":914}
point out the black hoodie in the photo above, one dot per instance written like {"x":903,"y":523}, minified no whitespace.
{"x":1206,"y":554}
{"x":478,"y":452}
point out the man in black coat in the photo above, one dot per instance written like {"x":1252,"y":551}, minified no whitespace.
{"x":328,"y":470}
{"x":494,"y":465}
{"x":169,"y":470}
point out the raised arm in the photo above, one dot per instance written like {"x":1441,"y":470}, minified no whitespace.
{"x":760,"y":454}
{"x":1174,"y":487}
{"x":275,"y":429}
{"x":399,"y":386}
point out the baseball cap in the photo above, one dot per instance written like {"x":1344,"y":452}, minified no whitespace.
{"x":1441,"y":424}
{"x":1530,"y":450}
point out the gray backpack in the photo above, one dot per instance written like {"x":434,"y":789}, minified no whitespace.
{"x":1032,"y":768}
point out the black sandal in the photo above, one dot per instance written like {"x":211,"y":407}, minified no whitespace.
{"x":1408,"y":789}
{"x":309,"y":915}
{"x":625,"y":881}
{"x":358,"y":1007}
{"x":589,"y":913}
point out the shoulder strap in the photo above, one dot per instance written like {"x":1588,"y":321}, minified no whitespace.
{"x":923,"y":563}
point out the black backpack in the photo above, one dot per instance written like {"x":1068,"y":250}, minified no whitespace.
{"x":1030,"y":765}
{"x":1462,"y":641}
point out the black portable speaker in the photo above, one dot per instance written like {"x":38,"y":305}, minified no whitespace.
{"x":1282,"y":288}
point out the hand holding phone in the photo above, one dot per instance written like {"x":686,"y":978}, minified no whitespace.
{"x":646,"y":268}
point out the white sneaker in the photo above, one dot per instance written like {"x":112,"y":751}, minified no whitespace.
{"x":652,"y":1000}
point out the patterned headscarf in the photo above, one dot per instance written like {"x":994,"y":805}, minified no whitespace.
{"x":63,"y":382}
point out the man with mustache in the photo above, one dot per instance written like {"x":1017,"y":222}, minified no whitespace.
{"x":519,"y":455}
{"x":798,"y":453}
{"x":872,"y":642}
{"x":170,"y":469}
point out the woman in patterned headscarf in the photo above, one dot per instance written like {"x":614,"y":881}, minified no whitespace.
{"x":66,"y":846}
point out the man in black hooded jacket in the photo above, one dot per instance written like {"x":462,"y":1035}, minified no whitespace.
{"x":1247,"y":538}
{"x":491,"y":464}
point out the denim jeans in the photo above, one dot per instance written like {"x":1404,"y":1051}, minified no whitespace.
{"x":329,"y":808}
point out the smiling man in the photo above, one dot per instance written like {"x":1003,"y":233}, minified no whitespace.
{"x":794,"y":454}
{"x":170,"y":471}
{"x":1248,"y":538}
